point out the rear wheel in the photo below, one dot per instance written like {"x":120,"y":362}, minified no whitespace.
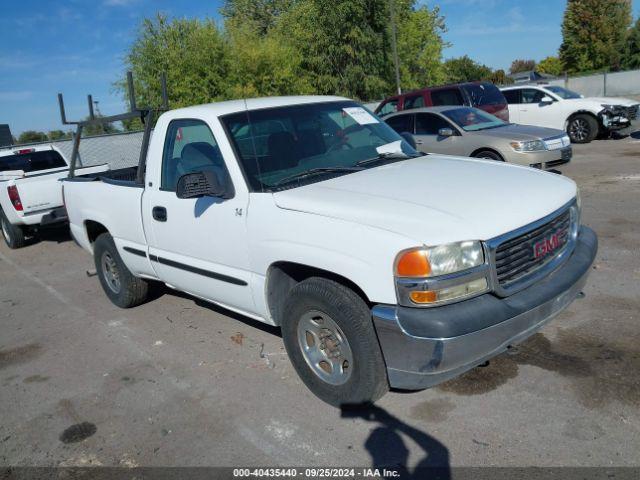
{"x":121,"y":286}
{"x":489,"y":155}
{"x":330,"y":339}
{"x":13,"y":235}
{"x":582,"y":128}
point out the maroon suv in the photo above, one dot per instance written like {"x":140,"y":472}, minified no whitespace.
{"x":483,"y":95}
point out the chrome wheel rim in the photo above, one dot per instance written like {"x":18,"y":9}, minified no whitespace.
{"x":5,"y":230}
{"x":110,"y":272}
{"x":325,"y":348}
{"x":579,"y":129}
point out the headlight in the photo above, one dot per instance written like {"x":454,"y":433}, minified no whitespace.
{"x":430,"y":276}
{"x":440,"y":260}
{"x":528,"y":146}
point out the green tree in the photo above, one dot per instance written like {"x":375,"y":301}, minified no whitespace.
{"x":32,"y":136}
{"x":98,"y":129}
{"x":58,"y":135}
{"x":521,"y":65}
{"x":464,"y":69}
{"x":551,"y":66}
{"x":263,"y":64}
{"x":259,"y":15}
{"x":343,"y":45}
{"x":499,"y":77}
{"x":192,"y":53}
{"x":594,"y":34}
{"x":420,"y":44}
{"x":632,"y":51}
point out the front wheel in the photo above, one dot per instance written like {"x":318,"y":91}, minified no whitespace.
{"x":330,"y":339}
{"x":582,"y":128}
{"x":121,"y":286}
{"x":489,"y":155}
{"x":13,"y":235}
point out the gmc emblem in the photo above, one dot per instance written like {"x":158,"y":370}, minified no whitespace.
{"x":547,"y":245}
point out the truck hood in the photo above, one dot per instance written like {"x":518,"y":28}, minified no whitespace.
{"x":518,"y":132}
{"x":435,"y":199}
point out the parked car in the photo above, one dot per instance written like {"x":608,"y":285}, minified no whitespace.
{"x":469,"y":132}
{"x":556,"y":107}
{"x":382,"y":268}
{"x":483,"y":95}
{"x":31,"y":192}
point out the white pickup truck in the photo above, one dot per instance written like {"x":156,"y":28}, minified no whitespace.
{"x":31,"y":191}
{"x":383,"y":267}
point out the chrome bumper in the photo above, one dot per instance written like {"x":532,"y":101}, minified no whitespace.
{"x":424,"y":347}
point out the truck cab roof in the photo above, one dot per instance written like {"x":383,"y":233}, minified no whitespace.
{"x":233,"y":106}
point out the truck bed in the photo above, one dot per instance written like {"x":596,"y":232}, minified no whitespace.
{"x":125,"y":177}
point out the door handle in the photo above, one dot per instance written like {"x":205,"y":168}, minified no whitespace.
{"x":159,"y":214}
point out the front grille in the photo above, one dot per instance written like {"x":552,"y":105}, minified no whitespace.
{"x":523,"y":255}
{"x":632,"y":112}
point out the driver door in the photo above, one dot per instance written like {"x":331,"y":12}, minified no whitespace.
{"x":533,"y":111}
{"x":197,"y":245}
{"x":428,"y":140}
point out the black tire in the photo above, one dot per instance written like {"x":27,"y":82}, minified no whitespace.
{"x":582,"y":128}
{"x":13,"y":235}
{"x":367,"y":379}
{"x":122,"y":288}
{"x":489,"y":155}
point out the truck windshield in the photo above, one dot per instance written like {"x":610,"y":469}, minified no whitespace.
{"x":32,"y":161}
{"x":472,"y":119}
{"x":285,"y":147}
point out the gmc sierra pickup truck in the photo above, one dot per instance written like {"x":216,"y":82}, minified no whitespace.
{"x":31,"y":191}
{"x":382,"y":266}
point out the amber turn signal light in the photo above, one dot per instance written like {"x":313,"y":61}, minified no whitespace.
{"x":423,"y":297}
{"x":413,"y":263}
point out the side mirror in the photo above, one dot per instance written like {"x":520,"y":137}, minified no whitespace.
{"x":409,"y":139}
{"x":445,"y":132}
{"x":546,"y":99}
{"x":200,"y":184}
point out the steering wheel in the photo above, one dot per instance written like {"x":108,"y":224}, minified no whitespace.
{"x":342,"y":142}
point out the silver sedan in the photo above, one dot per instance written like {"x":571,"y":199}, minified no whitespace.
{"x":469,"y":132}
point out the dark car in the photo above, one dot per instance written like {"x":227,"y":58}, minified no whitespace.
{"x":483,"y":95}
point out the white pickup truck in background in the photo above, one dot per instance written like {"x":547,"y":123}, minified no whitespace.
{"x":31,"y":191}
{"x":382,"y":266}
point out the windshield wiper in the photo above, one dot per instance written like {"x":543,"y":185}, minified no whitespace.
{"x":314,"y":171}
{"x":388,"y":156}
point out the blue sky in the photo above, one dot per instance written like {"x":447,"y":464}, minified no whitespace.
{"x":77,"y":46}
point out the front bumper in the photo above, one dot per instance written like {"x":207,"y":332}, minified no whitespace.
{"x":543,"y":159}
{"x":424,"y":347}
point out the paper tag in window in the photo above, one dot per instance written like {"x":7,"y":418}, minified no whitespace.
{"x":360,"y":115}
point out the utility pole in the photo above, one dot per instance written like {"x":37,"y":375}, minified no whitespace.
{"x":394,"y":44}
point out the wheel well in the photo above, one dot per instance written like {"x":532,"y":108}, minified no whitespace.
{"x":94,"y":230}
{"x":580,"y":112}
{"x":486,"y":149}
{"x":283,"y":276}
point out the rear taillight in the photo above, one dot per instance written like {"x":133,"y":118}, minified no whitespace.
{"x":24,"y":151}
{"x":14,"y":196}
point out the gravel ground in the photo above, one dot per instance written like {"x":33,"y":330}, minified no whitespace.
{"x":177,"y":382}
